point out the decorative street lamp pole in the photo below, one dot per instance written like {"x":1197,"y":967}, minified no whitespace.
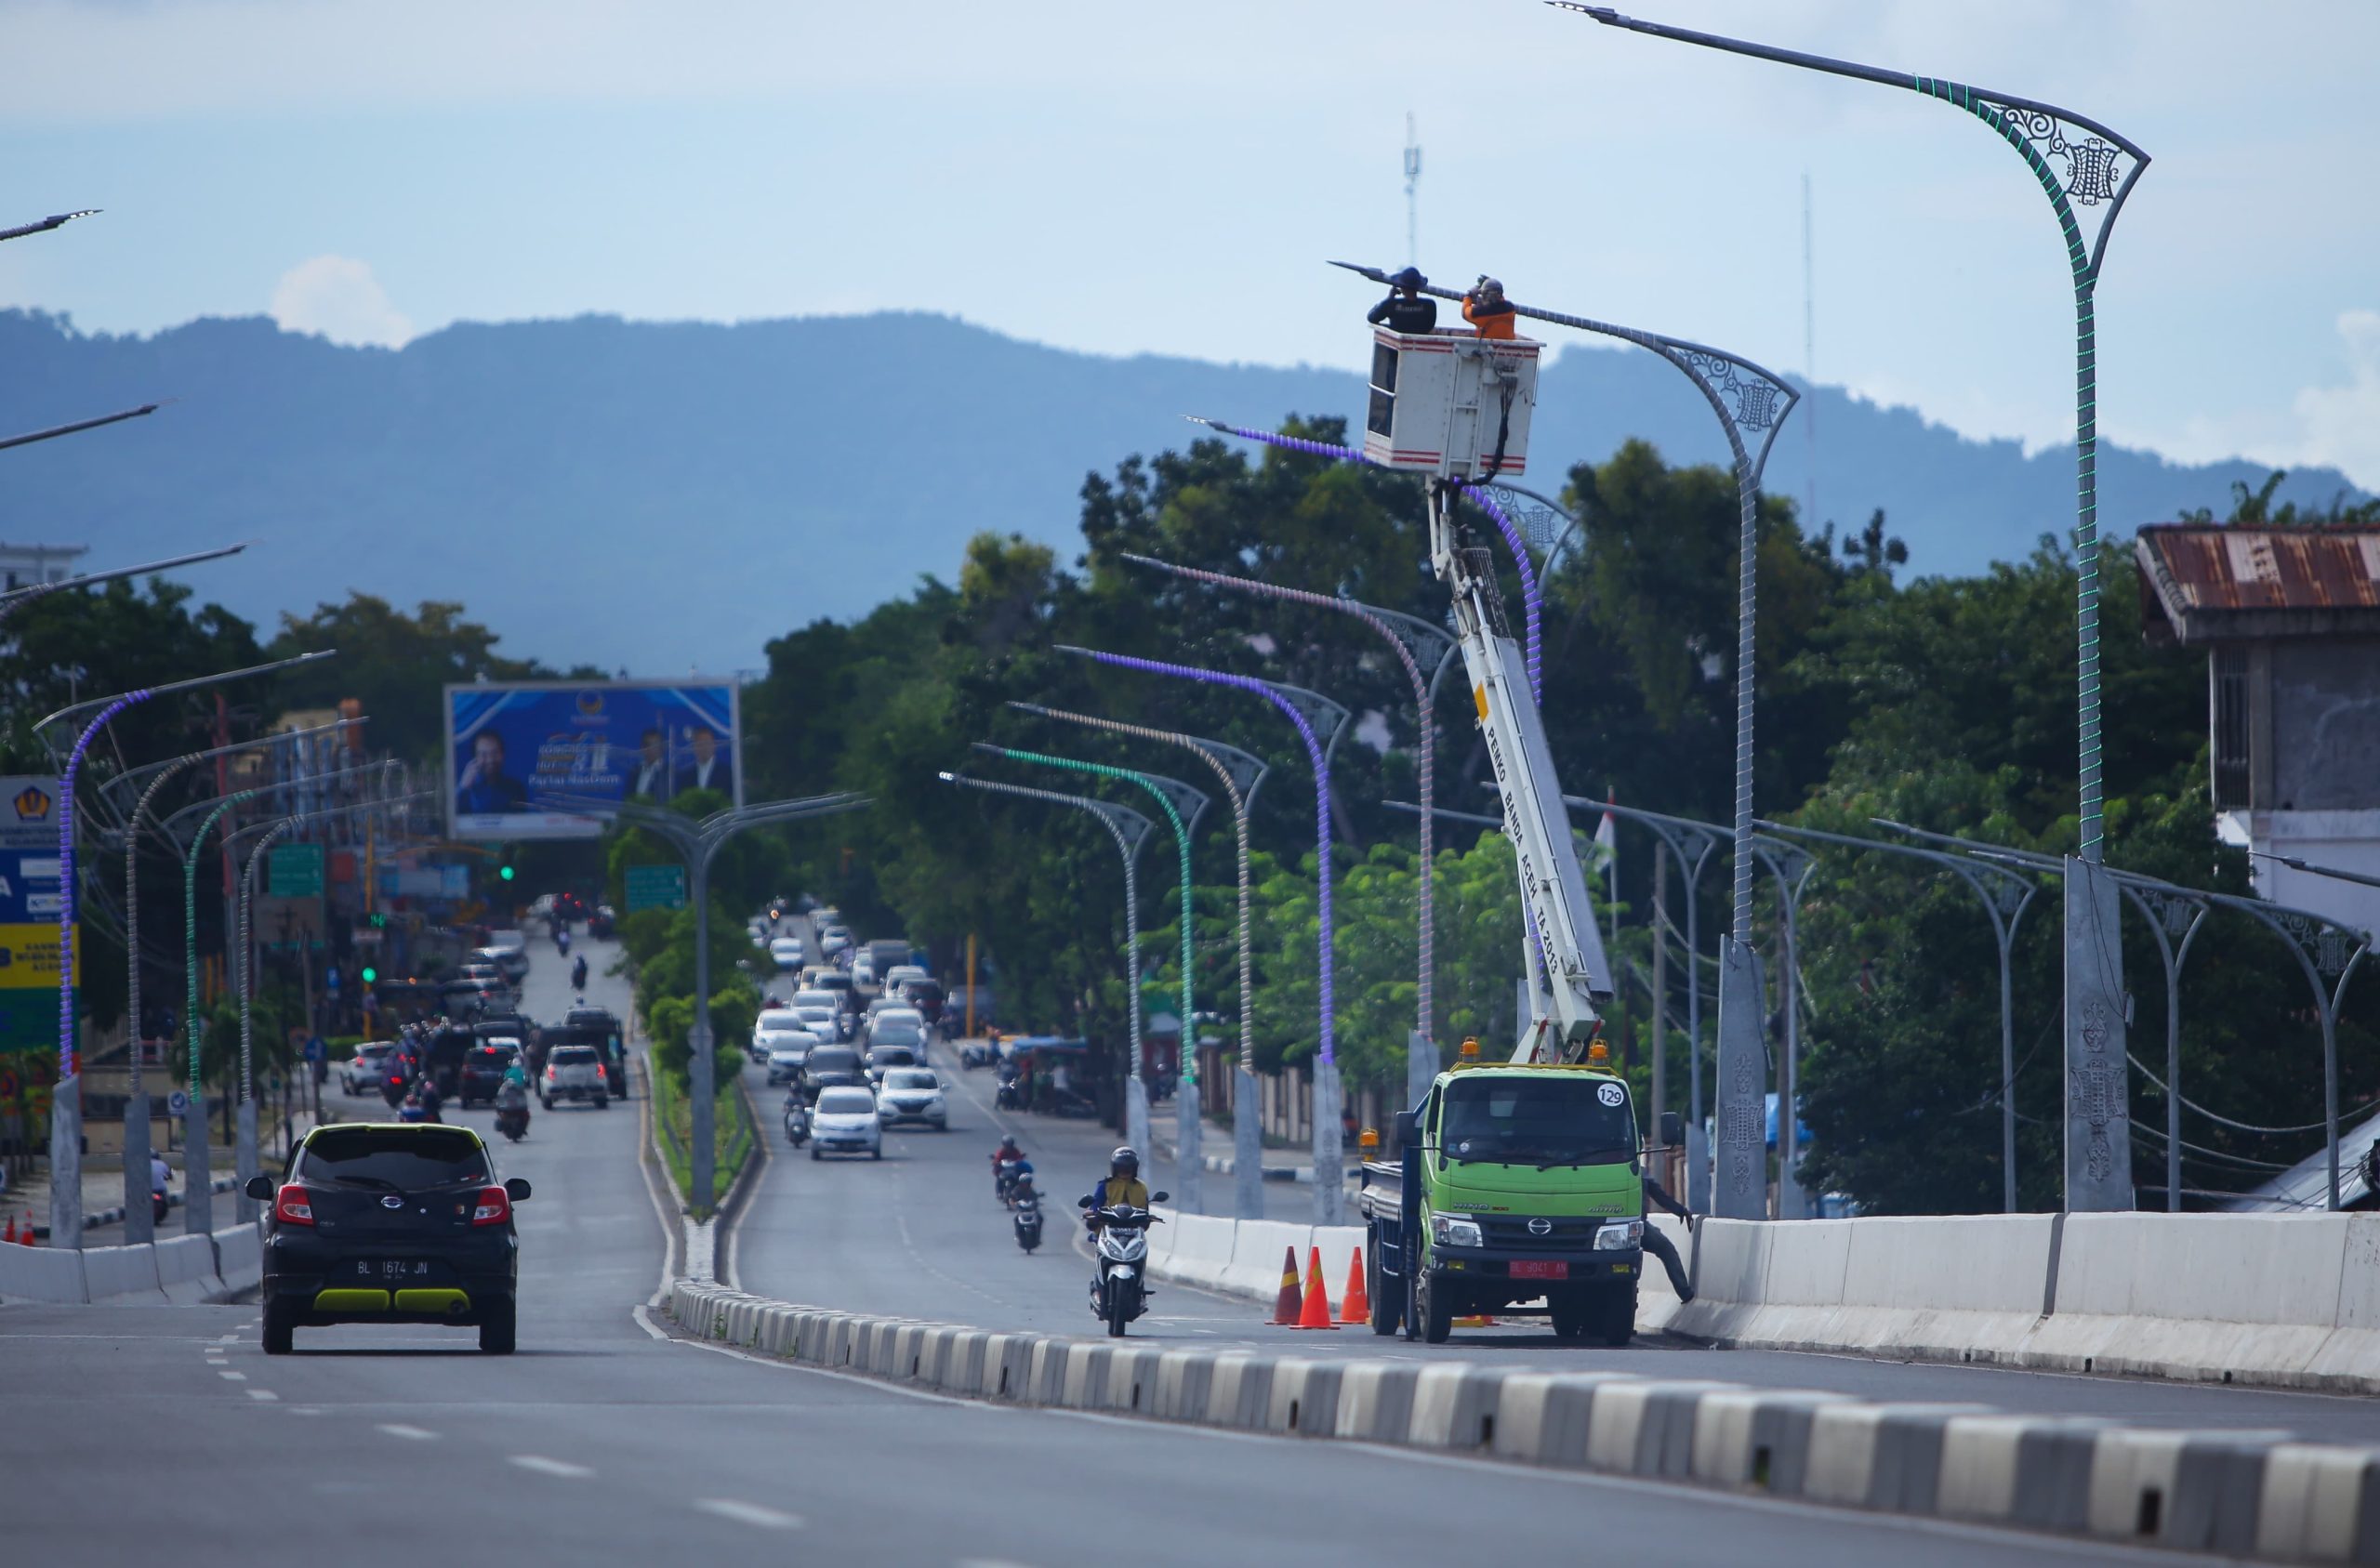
{"x":1130,"y":831}
{"x":1414,"y":641}
{"x":1304,"y":709}
{"x":1183,"y":806}
{"x":1240,"y":774}
{"x":2078,"y":163}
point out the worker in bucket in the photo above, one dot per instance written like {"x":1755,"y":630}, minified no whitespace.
{"x":1490,"y":314}
{"x":1406,"y":309}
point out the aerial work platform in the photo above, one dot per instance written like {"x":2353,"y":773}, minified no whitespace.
{"x":1451,"y":402}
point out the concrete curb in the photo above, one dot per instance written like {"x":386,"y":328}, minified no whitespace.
{"x":180,"y":1271}
{"x":2238,"y":1493}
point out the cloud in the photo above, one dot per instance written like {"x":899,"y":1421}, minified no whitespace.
{"x":2340,"y":424}
{"x":337,"y":297}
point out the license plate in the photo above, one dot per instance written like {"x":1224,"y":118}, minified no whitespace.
{"x":401,"y":1269}
{"x":1540,"y":1268}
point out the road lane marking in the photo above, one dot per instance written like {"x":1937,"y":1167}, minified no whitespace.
{"x":233,"y":1377}
{"x":413,"y":1434}
{"x":262,"y":1394}
{"x":749,"y":1514}
{"x":552,"y":1466}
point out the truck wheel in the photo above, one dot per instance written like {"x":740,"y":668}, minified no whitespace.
{"x":1430,"y":1306}
{"x":1570,"y":1317}
{"x":1384,"y":1310}
{"x":1614,"y":1320}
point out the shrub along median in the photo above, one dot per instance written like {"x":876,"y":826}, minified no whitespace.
{"x":673,"y":1114}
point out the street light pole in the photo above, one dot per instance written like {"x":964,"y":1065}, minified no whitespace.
{"x":2100,"y":168}
{"x":699,"y":842}
{"x":66,"y":1102}
{"x":1130,"y":830}
{"x":80,"y":425}
{"x":1303,"y":708}
{"x":1240,"y":774}
{"x":1180,"y":801}
{"x":1413,"y":640}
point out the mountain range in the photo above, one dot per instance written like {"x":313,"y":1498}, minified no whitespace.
{"x":665,"y":497}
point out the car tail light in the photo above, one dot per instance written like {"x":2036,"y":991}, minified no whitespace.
{"x":495,"y":1207}
{"x":293,"y":1206}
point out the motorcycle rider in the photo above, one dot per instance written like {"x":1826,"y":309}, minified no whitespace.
{"x":1122,"y":1185}
{"x":1007,"y":1150}
{"x":161,"y":1176}
{"x":512,"y":1094}
{"x":578,"y":973}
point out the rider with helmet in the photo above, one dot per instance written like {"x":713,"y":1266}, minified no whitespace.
{"x":1122,"y":1185}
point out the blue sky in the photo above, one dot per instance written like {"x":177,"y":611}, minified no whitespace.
{"x":1127,"y":178}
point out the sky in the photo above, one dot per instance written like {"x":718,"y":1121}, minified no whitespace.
{"x":1149,"y":177}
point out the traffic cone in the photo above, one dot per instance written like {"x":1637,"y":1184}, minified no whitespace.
{"x":1287,"y":1307}
{"x":8,"y":1238}
{"x":1356,"y":1306}
{"x":1318,"y":1305}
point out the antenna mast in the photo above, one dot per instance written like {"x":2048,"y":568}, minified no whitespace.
{"x":1412,"y":200}
{"x":1809,"y":365}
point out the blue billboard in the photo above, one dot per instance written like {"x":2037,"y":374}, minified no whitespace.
{"x":517,"y":754}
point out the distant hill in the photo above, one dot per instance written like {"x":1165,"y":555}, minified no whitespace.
{"x":661,"y":496}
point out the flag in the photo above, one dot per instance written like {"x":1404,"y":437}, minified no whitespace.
{"x":1607,"y":838}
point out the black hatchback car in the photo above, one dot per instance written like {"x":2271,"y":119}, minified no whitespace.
{"x":829,"y":1067}
{"x":395,"y":1223}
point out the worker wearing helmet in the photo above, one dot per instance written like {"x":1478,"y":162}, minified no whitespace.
{"x":1406,"y":309}
{"x":1122,"y":1185}
{"x":1488,"y":310}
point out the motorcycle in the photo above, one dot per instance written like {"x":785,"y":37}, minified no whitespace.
{"x":578,"y":975}
{"x":1004,"y":1179}
{"x":1028,"y":1220}
{"x":512,"y":1121}
{"x":1119,"y":1290}
{"x":393,"y":1091}
{"x":157,"y":1205}
{"x":1011,"y":1094}
{"x":797,"y":1120}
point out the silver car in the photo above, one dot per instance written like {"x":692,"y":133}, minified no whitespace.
{"x":844,"y":1121}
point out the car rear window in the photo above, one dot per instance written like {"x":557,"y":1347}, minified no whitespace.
{"x":573,"y":1056}
{"x":405,"y":1158}
{"x":846,"y":1103}
{"x":911,"y":1079}
{"x":836,"y":1060}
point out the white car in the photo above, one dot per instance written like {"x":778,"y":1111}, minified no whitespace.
{"x":772,"y":1020}
{"x":833,"y":940}
{"x":845,"y":1120}
{"x":361,"y":1073}
{"x":897,"y":978}
{"x":574,"y":1073}
{"x":862,"y":973}
{"x":788,"y":1049}
{"x":912,"y":1094}
{"x":786,"y":951}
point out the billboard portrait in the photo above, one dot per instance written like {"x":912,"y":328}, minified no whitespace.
{"x":515,"y":750}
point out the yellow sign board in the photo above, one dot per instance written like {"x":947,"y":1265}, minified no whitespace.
{"x":29,"y":957}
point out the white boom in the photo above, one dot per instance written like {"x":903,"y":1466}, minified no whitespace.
{"x":1566,"y":967}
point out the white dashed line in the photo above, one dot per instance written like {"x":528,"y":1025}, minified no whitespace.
{"x":415,"y":1434}
{"x":263,"y":1393}
{"x":749,"y":1514}
{"x":233,"y":1376}
{"x":552,"y":1466}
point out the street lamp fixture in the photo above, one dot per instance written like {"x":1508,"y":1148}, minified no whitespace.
{"x":44,"y":225}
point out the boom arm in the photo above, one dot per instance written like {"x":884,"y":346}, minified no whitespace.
{"x":1567,"y":970}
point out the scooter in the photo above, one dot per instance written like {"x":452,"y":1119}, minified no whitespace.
{"x":1119,"y":1290}
{"x":797,"y":1120}
{"x":1010,"y":1095}
{"x":1004,"y":1177}
{"x":157,"y":1205}
{"x":1028,"y":1219}
{"x":512,"y":1121}
{"x":393,"y":1091}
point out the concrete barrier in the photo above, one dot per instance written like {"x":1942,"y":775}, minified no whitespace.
{"x":125,"y":1275}
{"x":239,"y":1259}
{"x":1202,"y":1251}
{"x":186,"y":1270}
{"x":1257,"y":1249}
{"x":2237,"y":1493}
{"x":42,"y":1274}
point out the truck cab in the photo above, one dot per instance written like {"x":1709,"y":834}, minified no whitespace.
{"x":1511,"y":1184}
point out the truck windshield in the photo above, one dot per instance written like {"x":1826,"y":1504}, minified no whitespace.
{"x":1538,"y":1121}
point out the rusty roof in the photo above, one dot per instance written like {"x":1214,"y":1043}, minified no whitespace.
{"x":2216,"y":584}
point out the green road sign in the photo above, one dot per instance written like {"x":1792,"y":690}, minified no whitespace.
{"x":295,"y":871}
{"x":656,"y":887}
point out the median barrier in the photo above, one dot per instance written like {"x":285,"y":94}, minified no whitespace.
{"x":1202,"y":1251}
{"x":186,"y":1270}
{"x":1257,"y":1246}
{"x":2239,"y":1494}
{"x":42,"y":1274}
{"x":124,"y":1275}
{"x":239,"y":1260}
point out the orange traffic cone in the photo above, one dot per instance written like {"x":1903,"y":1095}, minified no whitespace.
{"x":1287,"y":1307}
{"x":8,"y":1237}
{"x":1356,"y":1306}
{"x":1318,"y":1305}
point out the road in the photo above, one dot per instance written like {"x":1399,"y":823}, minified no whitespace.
{"x":133,"y":1435}
{"x":920,"y":1235}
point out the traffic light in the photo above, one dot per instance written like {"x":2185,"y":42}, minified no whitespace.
{"x":505,"y":870}
{"x":379,"y":919}
{"x":370,"y":974}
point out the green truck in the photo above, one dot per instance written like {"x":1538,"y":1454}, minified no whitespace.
{"x":1513,"y":1184}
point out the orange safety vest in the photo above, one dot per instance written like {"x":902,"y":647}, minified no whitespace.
{"x":1495,"y":321}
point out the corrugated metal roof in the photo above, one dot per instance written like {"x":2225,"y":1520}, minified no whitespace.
{"x":2211,"y":581}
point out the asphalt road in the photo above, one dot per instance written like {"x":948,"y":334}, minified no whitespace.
{"x":148,"y":1434}
{"x":920,"y":1235}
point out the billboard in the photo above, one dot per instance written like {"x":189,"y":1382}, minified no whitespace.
{"x":31,"y":896}
{"x":512,"y":748}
